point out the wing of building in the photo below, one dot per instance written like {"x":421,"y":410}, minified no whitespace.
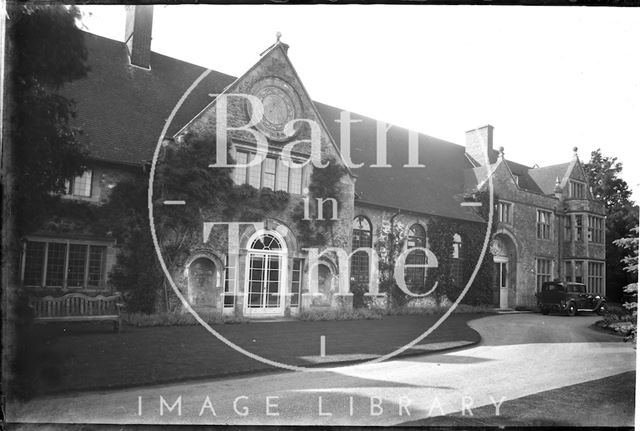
{"x":546,"y":223}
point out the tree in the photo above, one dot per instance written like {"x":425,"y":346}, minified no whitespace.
{"x":603,"y":173}
{"x":630,"y":246}
{"x":46,"y":50}
{"x":137,"y":273}
{"x":618,"y":224}
{"x":182,"y":173}
{"x":606,"y":185}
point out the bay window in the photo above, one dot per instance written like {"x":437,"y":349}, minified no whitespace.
{"x":596,"y":229}
{"x":595,"y":277}
{"x":578,"y":190}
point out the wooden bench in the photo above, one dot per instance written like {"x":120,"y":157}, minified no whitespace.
{"x":77,"y":307}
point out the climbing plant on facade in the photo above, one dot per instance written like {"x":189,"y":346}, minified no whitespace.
{"x":324,"y":184}
{"x":391,"y":239}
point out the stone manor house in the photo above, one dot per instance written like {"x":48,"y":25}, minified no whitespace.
{"x":548,"y":226}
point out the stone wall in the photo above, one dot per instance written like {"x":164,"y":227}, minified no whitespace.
{"x":523,"y":229}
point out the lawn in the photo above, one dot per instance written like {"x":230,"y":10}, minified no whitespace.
{"x":89,"y":356}
{"x":606,"y":402}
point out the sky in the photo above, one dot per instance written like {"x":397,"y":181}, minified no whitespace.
{"x":547,"y":78}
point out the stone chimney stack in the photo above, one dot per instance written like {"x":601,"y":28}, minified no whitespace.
{"x":138,"y":35}
{"x":480,"y":142}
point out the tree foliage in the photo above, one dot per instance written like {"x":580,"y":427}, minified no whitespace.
{"x":603,"y":174}
{"x":137,"y":273}
{"x":182,"y":173}
{"x":46,"y":51}
{"x":630,"y":246}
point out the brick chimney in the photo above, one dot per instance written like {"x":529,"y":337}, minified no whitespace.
{"x":138,"y":35}
{"x":480,"y":142}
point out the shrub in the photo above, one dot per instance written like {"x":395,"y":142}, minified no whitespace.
{"x":620,"y":320}
{"x":425,"y":302}
{"x":178,"y":318}
{"x":432,"y":307}
{"x":466,"y":308}
{"x":358,"y":290}
{"x":355,"y":314}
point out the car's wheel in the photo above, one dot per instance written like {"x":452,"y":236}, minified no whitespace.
{"x":571,"y":309}
{"x":602,"y":310}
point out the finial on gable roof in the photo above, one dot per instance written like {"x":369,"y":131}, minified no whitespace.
{"x":557,"y":188}
{"x":575,"y":152}
{"x":282,"y":44}
{"x":501,"y":151}
{"x":278,"y":42}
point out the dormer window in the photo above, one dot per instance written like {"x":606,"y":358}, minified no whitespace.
{"x":578,"y":190}
{"x":517,"y":178}
{"x":79,"y":185}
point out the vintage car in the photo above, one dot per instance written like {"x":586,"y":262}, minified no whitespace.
{"x":569,"y":298}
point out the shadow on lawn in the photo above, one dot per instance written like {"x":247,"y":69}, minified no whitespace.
{"x":92,"y":357}
{"x":609,"y":401}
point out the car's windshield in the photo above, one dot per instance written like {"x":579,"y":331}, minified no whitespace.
{"x":552,"y":287}
{"x":576,"y":288}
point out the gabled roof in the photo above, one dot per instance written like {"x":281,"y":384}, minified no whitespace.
{"x":122,"y":110}
{"x":525,"y":181}
{"x":546,"y":176}
{"x":437,"y":189}
{"x":536,"y":180}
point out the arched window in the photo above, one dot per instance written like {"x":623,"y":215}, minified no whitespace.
{"x":266,"y":262}
{"x":266,"y":242}
{"x":415,"y":273}
{"x":361,"y":232}
{"x":417,"y":236}
{"x":456,"y":261}
{"x":361,"y":237}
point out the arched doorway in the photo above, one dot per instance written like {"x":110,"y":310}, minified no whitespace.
{"x":266,"y":270}
{"x":504,"y":259}
{"x":203,"y":280}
